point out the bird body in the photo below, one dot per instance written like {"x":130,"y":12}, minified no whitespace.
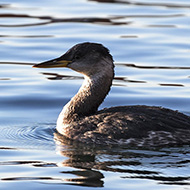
{"x":131,"y":125}
{"x":81,"y":121}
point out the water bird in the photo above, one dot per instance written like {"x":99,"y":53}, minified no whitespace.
{"x":137,"y":125}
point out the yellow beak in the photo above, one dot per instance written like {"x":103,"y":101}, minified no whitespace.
{"x":52,"y":64}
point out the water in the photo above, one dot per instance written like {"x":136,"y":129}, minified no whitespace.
{"x":150,"y":44}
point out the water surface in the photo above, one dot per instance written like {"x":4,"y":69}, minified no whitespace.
{"x":149,"y":41}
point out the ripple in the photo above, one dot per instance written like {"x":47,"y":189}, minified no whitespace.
{"x":151,"y":66}
{"x":167,"y":180}
{"x":16,"y":63}
{"x":40,"y":135}
{"x":55,"y":76}
{"x":176,"y":85}
{"x":50,"y":20}
{"x":26,"y":36}
{"x":138,"y":3}
{"x":5,"y":79}
{"x":3,"y":6}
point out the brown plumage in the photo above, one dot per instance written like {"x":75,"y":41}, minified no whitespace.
{"x":131,"y":125}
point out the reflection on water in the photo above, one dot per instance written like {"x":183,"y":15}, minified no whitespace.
{"x":51,"y":20}
{"x":112,"y":20}
{"x":149,"y":43}
{"x":149,"y":67}
{"x":55,"y":76}
{"x":16,"y":63}
{"x":139,"y":3}
{"x":88,"y":166}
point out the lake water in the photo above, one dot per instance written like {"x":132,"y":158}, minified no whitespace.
{"x":150,"y":42}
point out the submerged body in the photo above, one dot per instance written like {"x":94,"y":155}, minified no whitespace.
{"x":132,"y":125}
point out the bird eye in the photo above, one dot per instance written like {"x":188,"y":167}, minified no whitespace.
{"x":77,"y":56}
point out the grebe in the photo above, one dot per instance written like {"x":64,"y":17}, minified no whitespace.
{"x":138,"y":125}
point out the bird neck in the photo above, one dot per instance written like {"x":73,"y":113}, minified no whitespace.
{"x":90,"y":95}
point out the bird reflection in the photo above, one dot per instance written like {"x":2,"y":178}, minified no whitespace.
{"x":90,"y":162}
{"x":81,"y":158}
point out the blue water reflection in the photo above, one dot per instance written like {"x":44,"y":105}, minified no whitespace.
{"x":150,"y":44}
